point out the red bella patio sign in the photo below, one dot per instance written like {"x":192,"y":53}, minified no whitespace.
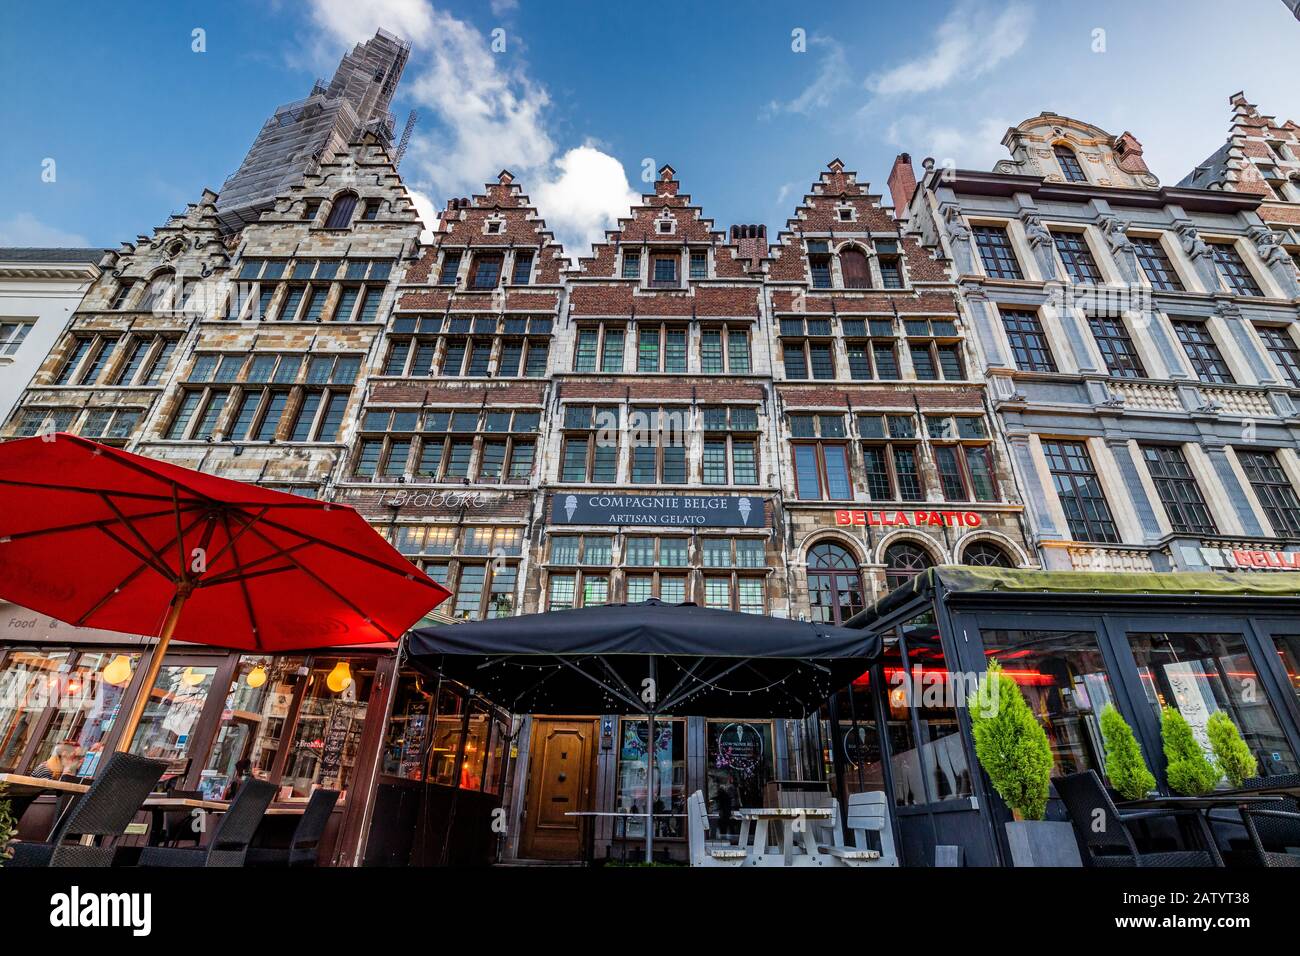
{"x":893,"y":519}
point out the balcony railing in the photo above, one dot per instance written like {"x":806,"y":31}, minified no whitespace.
{"x":1102,"y":558}
{"x":1162,"y":398}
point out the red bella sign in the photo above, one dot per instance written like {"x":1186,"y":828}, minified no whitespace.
{"x":892,"y":519}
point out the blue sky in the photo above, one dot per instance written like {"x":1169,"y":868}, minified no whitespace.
{"x":587,"y":95}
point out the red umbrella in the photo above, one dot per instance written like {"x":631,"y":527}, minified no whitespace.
{"x":98,"y":537}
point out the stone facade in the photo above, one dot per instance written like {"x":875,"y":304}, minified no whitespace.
{"x":301,"y":135}
{"x":244,"y":354}
{"x":887,"y":458}
{"x":1138,"y":343}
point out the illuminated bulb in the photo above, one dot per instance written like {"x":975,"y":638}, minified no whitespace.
{"x":190,"y":678}
{"x":256,"y":677}
{"x":118,"y":671}
{"x":340,"y":678}
{"x":898,"y":698}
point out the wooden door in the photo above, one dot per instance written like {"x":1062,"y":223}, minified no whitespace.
{"x":560,"y":770}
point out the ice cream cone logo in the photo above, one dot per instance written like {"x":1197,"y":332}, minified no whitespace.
{"x":570,"y":506}
{"x":744,"y":506}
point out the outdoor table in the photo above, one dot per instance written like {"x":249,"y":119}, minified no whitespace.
{"x":1210,"y":801}
{"x":20,"y":785}
{"x":589,"y":816}
{"x":763,"y":818}
{"x":158,"y":806}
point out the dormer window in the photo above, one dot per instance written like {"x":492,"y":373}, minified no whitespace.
{"x":450,"y":266}
{"x":487,"y":271}
{"x":665,"y":271}
{"x":1069,"y":164}
{"x":845,"y":213}
{"x":819,"y":264}
{"x":665,"y":227}
{"x":341,"y":212}
{"x":493,"y":227}
{"x":891,"y":263}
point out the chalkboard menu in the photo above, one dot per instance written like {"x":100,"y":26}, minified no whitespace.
{"x":333,"y":743}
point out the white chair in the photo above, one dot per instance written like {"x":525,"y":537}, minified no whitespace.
{"x":867,"y":811}
{"x":704,"y":853}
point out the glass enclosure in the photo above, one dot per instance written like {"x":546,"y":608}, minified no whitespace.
{"x":1199,"y":674}
{"x":331,"y":715}
{"x":252,"y":723}
{"x":740,"y":760}
{"x":669,"y":775}
{"x":175,"y":703}
{"x":1063,"y":678}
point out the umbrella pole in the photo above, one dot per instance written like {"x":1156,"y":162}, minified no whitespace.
{"x":155,"y":666}
{"x":650,"y":794}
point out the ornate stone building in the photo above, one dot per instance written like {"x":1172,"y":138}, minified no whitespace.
{"x":1138,"y":342}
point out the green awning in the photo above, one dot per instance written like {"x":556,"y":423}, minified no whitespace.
{"x":962,"y":579}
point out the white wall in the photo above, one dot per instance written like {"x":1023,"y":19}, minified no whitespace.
{"x":50,"y":304}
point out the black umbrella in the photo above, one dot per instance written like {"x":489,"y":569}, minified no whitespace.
{"x":652,"y":658}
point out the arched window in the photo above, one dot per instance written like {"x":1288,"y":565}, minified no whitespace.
{"x":834,"y":585}
{"x":160,"y":294}
{"x":855,"y":269}
{"x":904,"y":561}
{"x":982,"y":554}
{"x":1069,"y":164}
{"x":341,"y":212}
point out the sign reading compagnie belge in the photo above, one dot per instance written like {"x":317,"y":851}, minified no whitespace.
{"x":707,"y":511}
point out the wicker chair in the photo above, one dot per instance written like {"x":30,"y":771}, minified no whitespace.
{"x":304,"y":845}
{"x":1274,"y":831}
{"x":229,"y":843}
{"x":103,"y":811}
{"x":1111,"y":843}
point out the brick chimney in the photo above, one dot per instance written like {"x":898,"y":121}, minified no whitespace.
{"x":750,"y":242}
{"x":902,"y":183}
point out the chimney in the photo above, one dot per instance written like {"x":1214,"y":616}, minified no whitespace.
{"x":902,"y":183}
{"x":750,"y":242}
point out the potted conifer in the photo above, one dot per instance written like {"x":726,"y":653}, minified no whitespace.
{"x":8,"y":826}
{"x":1125,"y":766}
{"x":1187,"y":769}
{"x":1013,"y":749}
{"x":1230,"y":751}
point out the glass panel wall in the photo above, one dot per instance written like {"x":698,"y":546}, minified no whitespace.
{"x":864,"y":768}
{"x":29,"y":681}
{"x":1063,"y":678}
{"x":670,"y":775}
{"x":1200,"y":674}
{"x":740,"y":760}
{"x":1288,"y":649}
{"x":165,"y":731}
{"x":929,"y":762}
{"x":252,"y":723}
{"x":84,"y":712}
{"x":323,"y":752}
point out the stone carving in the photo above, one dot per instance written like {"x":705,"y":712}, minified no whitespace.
{"x":1267,"y":246}
{"x":1035,"y":231}
{"x":957,"y":229}
{"x":1193,"y":245}
{"x":1116,"y":233}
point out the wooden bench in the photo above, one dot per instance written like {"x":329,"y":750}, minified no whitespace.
{"x":867,"y":811}
{"x":703,"y":852}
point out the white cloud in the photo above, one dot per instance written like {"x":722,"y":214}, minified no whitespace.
{"x":24,"y":229}
{"x":832,"y":76}
{"x":589,"y":193}
{"x":502,"y":8}
{"x":971,"y":41}
{"x":481,"y":113}
{"x":427,"y":210}
{"x":977,"y":146}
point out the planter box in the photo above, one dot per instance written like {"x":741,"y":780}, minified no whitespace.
{"x":1042,"y":843}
